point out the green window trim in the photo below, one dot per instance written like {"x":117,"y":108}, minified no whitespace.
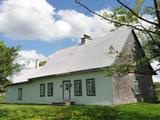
{"x":42,"y":90}
{"x":90,"y":87}
{"x":78,"y":87}
{"x":50,"y":89}
{"x":136,"y":88}
{"x":20,"y":93}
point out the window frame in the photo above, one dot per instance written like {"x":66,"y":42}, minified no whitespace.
{"x":136,"y":88}
{"x":75,"y":92}
{"x":20,"y":93}
{"x":50,"y":95}
{"x":43,"y":89}
{"x":87,"y":88}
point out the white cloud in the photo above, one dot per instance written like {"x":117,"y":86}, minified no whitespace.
{"x":147,"y":17}
{"x":29,"y":58}
{"x":31,"y":54}
{"x":35,"y":19}
{"x":27,"y":19}
{"x":82,"y":24}
{"x":155,"y":65}
{"x":156,"y":78}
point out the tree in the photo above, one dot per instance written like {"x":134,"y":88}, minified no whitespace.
{"x":133,"y":16}
{"x":42,"y":63}
{"x":7,"y":64}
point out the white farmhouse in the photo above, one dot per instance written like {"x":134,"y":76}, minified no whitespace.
{"x":76,"y":74}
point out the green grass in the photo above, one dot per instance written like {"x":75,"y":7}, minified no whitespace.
{"x":1,"y":99}
{"x":140,"y":111}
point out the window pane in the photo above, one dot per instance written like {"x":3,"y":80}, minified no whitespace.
{"x":78,"y":88}
{"x":19,"y":93}
{"x":42,"y":90}
{"x":50,"y":89}
{"x":90,"y":84}
{"x":93,"y":87}
{"x":136,"y":87}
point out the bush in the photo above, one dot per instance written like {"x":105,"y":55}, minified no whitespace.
{"x":157,"y":91}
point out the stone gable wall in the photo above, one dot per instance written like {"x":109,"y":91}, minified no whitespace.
{"x":123,"y":85}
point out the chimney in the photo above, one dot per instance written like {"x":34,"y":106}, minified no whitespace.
{"x":85,"y":39}
{"x":37,"y":63}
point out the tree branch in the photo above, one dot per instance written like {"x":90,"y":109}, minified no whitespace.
{"x":157,"y":12}
{"x":153,"y":23}
{"x":113,"y":21}
{"x":147,"y":32}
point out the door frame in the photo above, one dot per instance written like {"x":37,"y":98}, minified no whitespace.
{"x":69,"y":89}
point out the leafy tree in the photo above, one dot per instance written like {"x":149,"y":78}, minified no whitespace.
{"x":42,"y":63}
{"x":132,"y":15}
{"x":7,"y":64}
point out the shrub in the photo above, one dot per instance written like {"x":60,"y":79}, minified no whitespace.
{"x":157,"y":91}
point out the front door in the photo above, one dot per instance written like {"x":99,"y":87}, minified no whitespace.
{"x":66,"y":90}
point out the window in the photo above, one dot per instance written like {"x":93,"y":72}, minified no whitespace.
{"x":136,"y":87}
{"x":90,"y":84}
{"x":42,"y":90}
{"x":19,"y":93}
{"x":50,"y":89}
{"x":78,"y":88}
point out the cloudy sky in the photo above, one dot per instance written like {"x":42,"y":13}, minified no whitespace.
{"x":42,"y":27}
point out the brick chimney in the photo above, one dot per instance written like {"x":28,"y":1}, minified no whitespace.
{"x":85,"y":39}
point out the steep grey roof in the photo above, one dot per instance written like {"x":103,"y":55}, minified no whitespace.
{"x":93,"y":55}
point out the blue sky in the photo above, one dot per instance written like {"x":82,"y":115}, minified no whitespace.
{"x":12,"y":30}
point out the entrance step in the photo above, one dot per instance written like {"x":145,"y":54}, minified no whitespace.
{"x":62,"y":103}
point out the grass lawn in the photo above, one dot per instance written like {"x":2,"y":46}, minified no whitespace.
{"x":140,"y":111}
{"x":1,"y":99}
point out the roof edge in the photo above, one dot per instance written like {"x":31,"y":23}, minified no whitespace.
{"x":56,"y":75}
